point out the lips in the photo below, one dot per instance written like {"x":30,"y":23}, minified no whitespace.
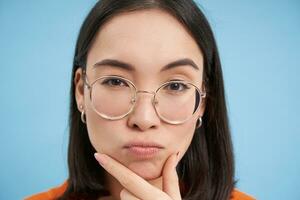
{"x":143,"y":150}
{"x":143,"y":144}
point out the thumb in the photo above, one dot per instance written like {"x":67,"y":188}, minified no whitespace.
{"x":170,"y":177}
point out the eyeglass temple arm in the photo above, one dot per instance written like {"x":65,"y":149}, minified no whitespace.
{"x":85,"y":80}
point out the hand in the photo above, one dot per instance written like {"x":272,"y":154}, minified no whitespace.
{"x":135,"y":187}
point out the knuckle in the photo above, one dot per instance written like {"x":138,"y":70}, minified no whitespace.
{"x":175,"y":178}
{"x":126,"y":182}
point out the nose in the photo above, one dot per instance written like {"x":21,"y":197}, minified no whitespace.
{"x":143,"y":116}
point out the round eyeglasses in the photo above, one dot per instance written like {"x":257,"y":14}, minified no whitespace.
{"x":114,"y":97}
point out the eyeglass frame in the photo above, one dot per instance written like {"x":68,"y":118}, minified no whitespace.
{"x":89,"y":86}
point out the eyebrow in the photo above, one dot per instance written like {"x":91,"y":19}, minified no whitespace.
{"x":130,"y":67}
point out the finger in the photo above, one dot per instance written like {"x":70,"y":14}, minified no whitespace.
{"x":126,"y":195}
{"x":170,"y":177}
{"x":129,"y":180}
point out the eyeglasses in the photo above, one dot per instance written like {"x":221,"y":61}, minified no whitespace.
{"x":114,"y":97}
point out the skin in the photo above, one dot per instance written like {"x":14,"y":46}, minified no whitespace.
{"x":148,"y":40}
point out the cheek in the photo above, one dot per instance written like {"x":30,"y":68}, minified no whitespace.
{"x":103,"y":134}
{"x":189,"y":133}
{"x":181,"y":136}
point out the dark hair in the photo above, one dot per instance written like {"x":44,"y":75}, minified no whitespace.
{"x":207,"y":168}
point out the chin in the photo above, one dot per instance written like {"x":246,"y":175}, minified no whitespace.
{"x":146,"y":171}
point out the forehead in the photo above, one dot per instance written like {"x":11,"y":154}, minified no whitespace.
{"x":148,"y":39}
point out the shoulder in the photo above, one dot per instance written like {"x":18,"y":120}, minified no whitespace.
{"x":51,"y":194}
{"x":238,"y":195}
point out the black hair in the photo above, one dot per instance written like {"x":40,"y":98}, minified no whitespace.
{"x":207,"y":168}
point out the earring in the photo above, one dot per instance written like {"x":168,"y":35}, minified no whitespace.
{"x":200,"y":122}
{"x":82,"y":114}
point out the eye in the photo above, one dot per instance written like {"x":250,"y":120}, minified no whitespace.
{"x":176,"y":87}
{"x":114,"y":82}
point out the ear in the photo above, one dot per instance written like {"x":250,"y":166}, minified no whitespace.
{"x":79,"y":88}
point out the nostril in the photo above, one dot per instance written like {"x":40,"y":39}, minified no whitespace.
{"x":140,"y":128}
{"x":135,"y":126}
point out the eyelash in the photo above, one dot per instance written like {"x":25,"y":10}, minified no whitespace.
{"x":184,"y":86}
{"x":108,"y":80}
{"x":173,"y":81}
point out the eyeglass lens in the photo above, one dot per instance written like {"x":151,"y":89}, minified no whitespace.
{"x":175,"y":101}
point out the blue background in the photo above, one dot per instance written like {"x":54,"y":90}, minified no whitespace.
{"x":259,"y":47}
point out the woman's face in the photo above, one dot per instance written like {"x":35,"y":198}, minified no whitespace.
{"x":147,"y":40}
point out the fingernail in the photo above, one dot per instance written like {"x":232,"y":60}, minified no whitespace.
{"x":100,"y":158}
